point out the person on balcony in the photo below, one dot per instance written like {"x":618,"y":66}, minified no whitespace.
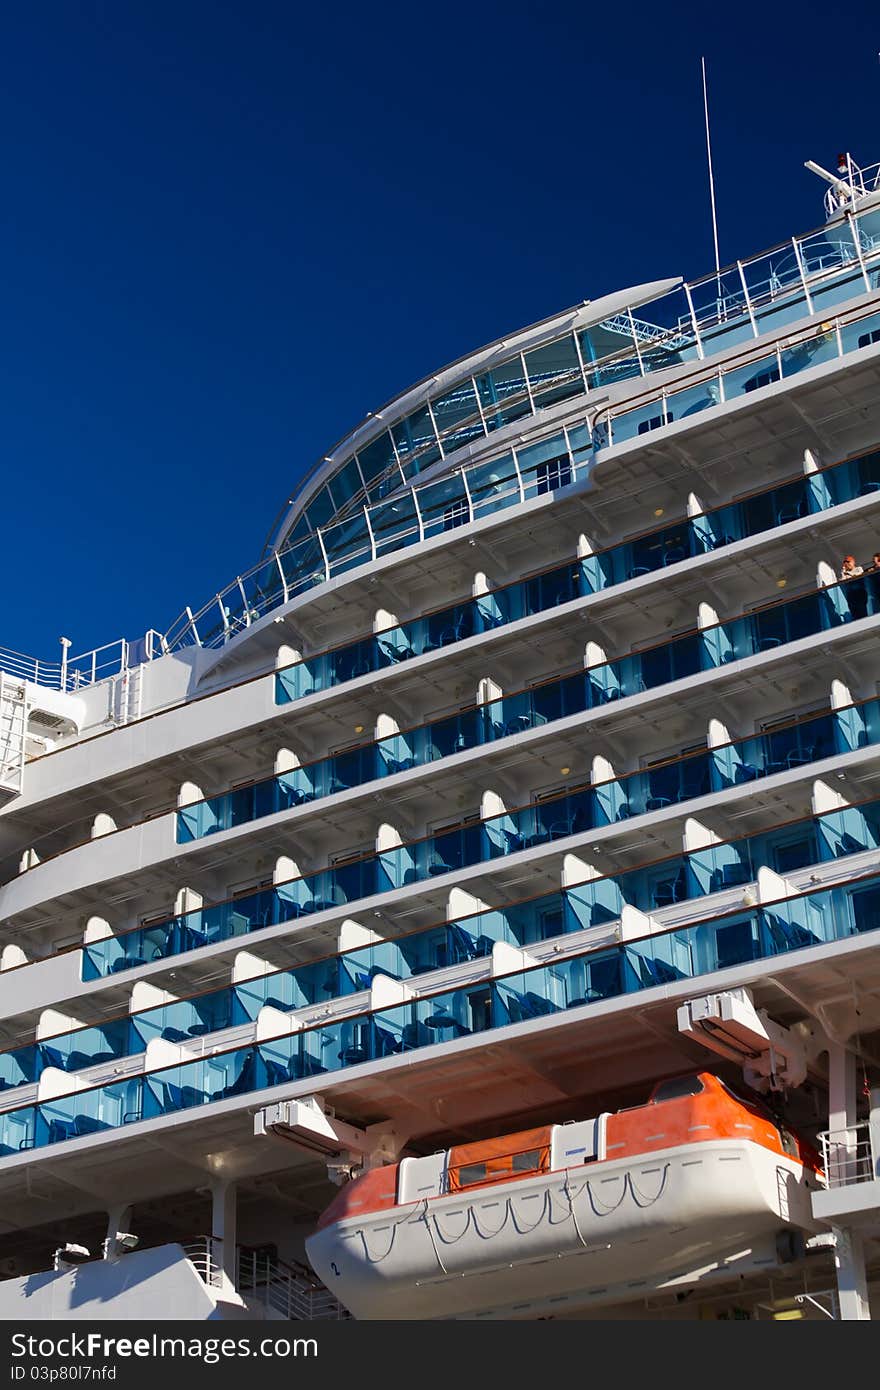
{"x":849,"y":569}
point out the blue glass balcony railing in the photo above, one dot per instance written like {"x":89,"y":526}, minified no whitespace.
{"x":732,"y":939}
{"x":826,"y":344}
{"x":688,"y":876}
{"x":672,"y":782}
{"x":732,"y":310}
{"x":675,"y":542}
{"x":580,"y":690}
{"x":408,"y":516}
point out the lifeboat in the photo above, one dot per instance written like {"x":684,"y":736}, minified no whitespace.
{"x":693,"y":1185}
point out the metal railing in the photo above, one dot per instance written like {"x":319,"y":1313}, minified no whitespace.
{"x":73,"y":673}
{"x":849,"y":1155}
{"x":476,"y":490}
{"x":774,"y":286}
{"x":735,"y":378}
{"x":292,"y":1292}
{"x":203,"y":1254}
{"x":854,"y":184}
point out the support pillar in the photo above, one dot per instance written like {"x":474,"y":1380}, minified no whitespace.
{"x":223,"y":1230}
{"x":118,"y":1218}
{"x":852,"y":1282}
{"x":849,"y":1253}
{"x":841,"y":1088}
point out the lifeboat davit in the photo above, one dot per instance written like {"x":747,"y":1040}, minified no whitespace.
{"x":696,"y":1183}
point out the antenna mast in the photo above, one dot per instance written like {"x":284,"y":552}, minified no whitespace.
{"x":711,"y":176}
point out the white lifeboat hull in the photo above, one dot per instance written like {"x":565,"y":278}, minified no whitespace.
{"x":589,"y":1230}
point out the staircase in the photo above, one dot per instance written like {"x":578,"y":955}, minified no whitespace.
{"x":285,"y":1290}
{"x":13,"y":728}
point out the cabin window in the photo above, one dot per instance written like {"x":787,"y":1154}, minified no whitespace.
{"x":474,"y":1172}
{"x":676,"y":1088}
{"x":528,"y":1162}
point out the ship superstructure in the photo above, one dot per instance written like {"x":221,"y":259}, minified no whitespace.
{"x":534,"y":765}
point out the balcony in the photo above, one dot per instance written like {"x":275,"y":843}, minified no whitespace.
{"x":677,"y":891}
{"x":530,"y":994}
{"x":673,"y":544}
{"x":703,"y":650}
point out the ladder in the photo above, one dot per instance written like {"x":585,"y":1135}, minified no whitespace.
{"x":13,"y":728}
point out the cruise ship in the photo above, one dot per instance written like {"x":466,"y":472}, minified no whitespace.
{"x":470,"y":912}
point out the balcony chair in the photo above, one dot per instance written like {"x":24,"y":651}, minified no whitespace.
{"x":415,"y":1035}
{"x":436,"y":866}
{"x":488,"y":618}
{"x":59,"y":1130}
{"x":848,"y":844}
{"x":514,"y":841}
{"x":788,"y":936}
{"x":559,"y":829}
{"x":462,"y":945}
{"x":88,"y":1124}
{"x":394,"y":765}
{"x":184,"y":1096}
{"x":538,"y":1005}
{"x":127,"y":962}
{"x":393,"y":653}
{"x":77,"y":1060}
{"x":746,"y":772}
{"x":656,"y":972}
{"x":304,"y":1066}
{"x":386,"y":1044}
{"x":335,"y":898}
{"x":798,"y":757}
{"x":589,"y":996}
{"x":175,"y":1035}
{"x":670,"y":890}
{"x":244,"y":1082}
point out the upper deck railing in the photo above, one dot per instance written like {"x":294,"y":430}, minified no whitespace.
{"x":418,"y":513}
{"x":855,"y":183}
{"x":73,"y":673}
{"x":692,"y":321}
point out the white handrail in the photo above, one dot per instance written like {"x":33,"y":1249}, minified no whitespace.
{"x":849,"y":1155}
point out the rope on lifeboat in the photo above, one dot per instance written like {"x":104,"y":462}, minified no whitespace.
{"x":639,"y":1197}
{"x":545,"y":1211}
{"x":491,"y":1234}
{"x":600,"y":1208}
{"x":472,"y":1220}
{"x":373,"y":1259}
{"x":569,"y":1194}
{"x":402,"y":1221}
{"x":427,"y":1220}
{"x":566,"y":1187}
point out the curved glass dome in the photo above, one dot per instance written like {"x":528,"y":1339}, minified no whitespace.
{"x":589,"y":345}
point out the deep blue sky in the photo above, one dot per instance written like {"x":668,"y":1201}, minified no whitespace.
{"x":230,"y":229}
